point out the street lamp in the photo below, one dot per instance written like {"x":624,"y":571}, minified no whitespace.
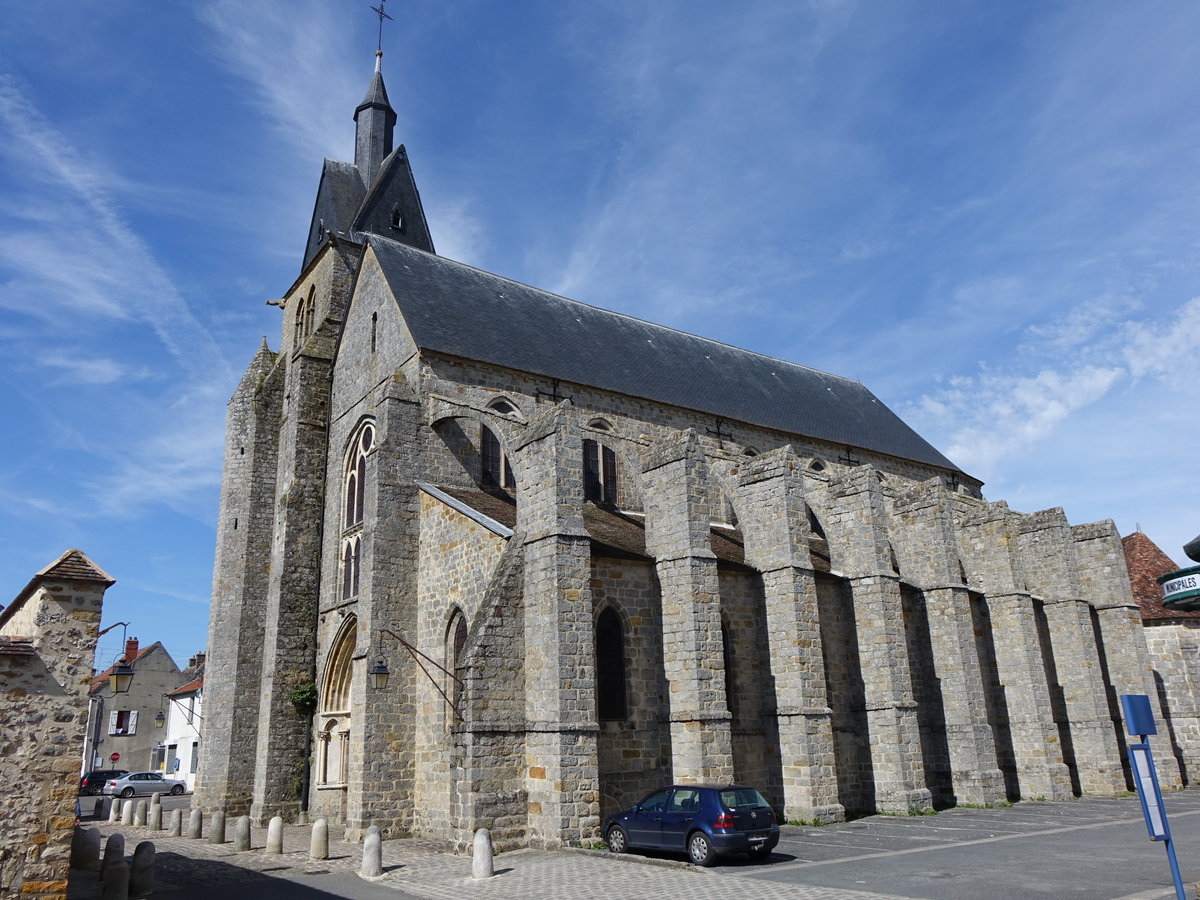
{"x":379,"y":674}
{"x":120,"y":676}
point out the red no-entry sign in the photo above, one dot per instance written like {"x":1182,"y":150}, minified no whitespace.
{"x":114,"y":757}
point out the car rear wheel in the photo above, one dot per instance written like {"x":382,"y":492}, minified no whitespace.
{"x":617,"y":841}
{"x":700,"y":849}
{"x":128,"y":792}
{"x":177,"y":789}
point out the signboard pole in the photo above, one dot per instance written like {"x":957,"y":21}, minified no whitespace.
{"x":1139,"y":722}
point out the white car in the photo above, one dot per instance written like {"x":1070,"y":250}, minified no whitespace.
{"x":142,"y":783}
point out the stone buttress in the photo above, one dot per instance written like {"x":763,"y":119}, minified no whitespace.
{"x":678,"y":519}
{"x":562,"y":774}
{"x":927,"y":549}
{"x":857,"y":528}
{"x":989,"y":548}
{"x":380,"y":768}
{"x":1122,"y":638}
{"x":776,"y":532}
{"x":1085,"y":719}
{"x":225,"y":775}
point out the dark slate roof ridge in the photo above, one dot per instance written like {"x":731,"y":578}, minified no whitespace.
{"x":395,"y":165}
{"x":613,"y":312}
{"x":376,"y":94}
{"x":441,"y":298}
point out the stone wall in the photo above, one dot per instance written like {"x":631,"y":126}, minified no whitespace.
{"x":47,"y":648}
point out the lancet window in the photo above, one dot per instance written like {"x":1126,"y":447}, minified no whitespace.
{"x":599,"y":473}
{"x":354,"y":490}
{"x":610,"y":667}
{"x":496,"y":470}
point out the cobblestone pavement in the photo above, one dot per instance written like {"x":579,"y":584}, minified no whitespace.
{"x":423,"y":869}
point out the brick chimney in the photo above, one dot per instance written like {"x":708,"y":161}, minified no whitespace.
{"x":131,"y":650}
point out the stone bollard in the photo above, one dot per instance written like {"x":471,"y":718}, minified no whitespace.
{"x":318,"y":844}
{"x":114,"y":810}
{"x":155,"y":818}
{"x":98,"y":808}
{"x":275,"y":835}
{"x":139,"y":813}
{"x":116,"y":880}
{"x":114,"y":849}
{"x":372,"y":861}
{"x":302,"y":817}
{"x":141,"y":871}
{"x":216,"y":831}
{"x":482,"y":865}
{"x":241,"y":834}
{"x":195,"y":824}
{"x":127,"y":812}
{"x":156,"y":799}
{"x":176,"y":827}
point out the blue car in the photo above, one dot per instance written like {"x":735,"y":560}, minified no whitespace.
{"x":704,"y":821}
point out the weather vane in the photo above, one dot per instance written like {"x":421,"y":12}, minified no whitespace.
{"x":378,"y":10}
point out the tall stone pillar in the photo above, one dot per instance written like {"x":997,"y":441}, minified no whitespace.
{"x":776,"y":532}
{"x":858,"y":541}
{"x":1104,"y":579}
{"x":989,"y":548}
{"x":381,"y":764}
{"x":225,"y":777}
{"x":1047,"y":547}
{"x":678,"y":522}
{"x":562,"y":772}
{"x":927,"y":548}
{"x":289,"y":635}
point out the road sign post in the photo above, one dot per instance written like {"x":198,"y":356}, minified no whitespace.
{"x":1139,"y":722}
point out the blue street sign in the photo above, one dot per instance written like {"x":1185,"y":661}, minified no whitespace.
{"x":1139,"y":720}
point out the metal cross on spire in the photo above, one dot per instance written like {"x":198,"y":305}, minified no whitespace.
{"x":378,"y":10}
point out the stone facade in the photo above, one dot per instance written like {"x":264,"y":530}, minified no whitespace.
{"x":581,"y":594}
{"x":47,"y":646}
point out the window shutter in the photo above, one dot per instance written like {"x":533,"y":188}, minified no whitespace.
{"x":112,"y":722}
{"x":591,"y":470}
{"x":132,"y":722}
{"x":610,"y":475}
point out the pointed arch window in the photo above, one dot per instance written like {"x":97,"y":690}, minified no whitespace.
{"x":599,"y":473}
{"x":333,"y":738}
{"x":496,"y":470}
{"x":456,"y":645}
{"x":306,"y":316}
{"x":610,"y":667}
{"x":354,"y":493}
{"x":730,"y":681}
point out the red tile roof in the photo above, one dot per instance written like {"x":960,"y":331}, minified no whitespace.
{"x":1146,"y":562}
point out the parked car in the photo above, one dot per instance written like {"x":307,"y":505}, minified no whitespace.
{"x":130,"y":784}
{"x":703,"y":821}
{"x":93,"y":782}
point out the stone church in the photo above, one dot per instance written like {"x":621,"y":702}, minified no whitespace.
{"x":596,"y":555}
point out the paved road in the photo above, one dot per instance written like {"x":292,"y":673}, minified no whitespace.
{"x":1095,"y":849}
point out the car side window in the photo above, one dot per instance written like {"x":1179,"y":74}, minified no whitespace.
{"x":654,"y":803}
{"x":685,"y":801}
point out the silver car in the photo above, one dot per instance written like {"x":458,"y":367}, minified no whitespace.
{"x":142,"y":783}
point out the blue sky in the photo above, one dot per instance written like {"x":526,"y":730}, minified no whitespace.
{"x":988,"y":213}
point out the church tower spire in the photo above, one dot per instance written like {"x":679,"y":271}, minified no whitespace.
{"x":374,"y":121}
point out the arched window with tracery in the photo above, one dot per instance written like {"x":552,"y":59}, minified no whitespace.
{"x":610,"y":667}
{"x":354,"y":492}
{"x":333,"y":736}
{"x":456,"y":644}
{"x":306,"y":316}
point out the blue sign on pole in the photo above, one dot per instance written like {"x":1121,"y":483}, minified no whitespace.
{"x":1139,"y":722}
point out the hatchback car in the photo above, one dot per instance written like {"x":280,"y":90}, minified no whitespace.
{"x":93,"y":782}
{"x":703,"y":821}
{"x":142,"y":783}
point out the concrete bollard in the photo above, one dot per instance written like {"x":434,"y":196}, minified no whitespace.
{"x":98,"y":808}
{"x":116,"y":880}
{"x":241,"y":834}
{"x":372,"y":861}
{"x":216,"y":831}
{"x":141,"y":871}
{"x":275,"y":835}
{"x":195,"y":824}
{"x":318,"y":843}
{"x":156,"y":798}
{"x":302,"y":817}
{"x":127,"y":812}
{"x":90,"y":852}
{"x":139,"y":813}
{"x":114,"y":810}
{"x":114,"y":849}
{"x":482,"y":865}
{"x":155,"y":818}
{"x":176,"y":826}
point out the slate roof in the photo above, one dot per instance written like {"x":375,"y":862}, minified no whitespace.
{"x":458,"y":310}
